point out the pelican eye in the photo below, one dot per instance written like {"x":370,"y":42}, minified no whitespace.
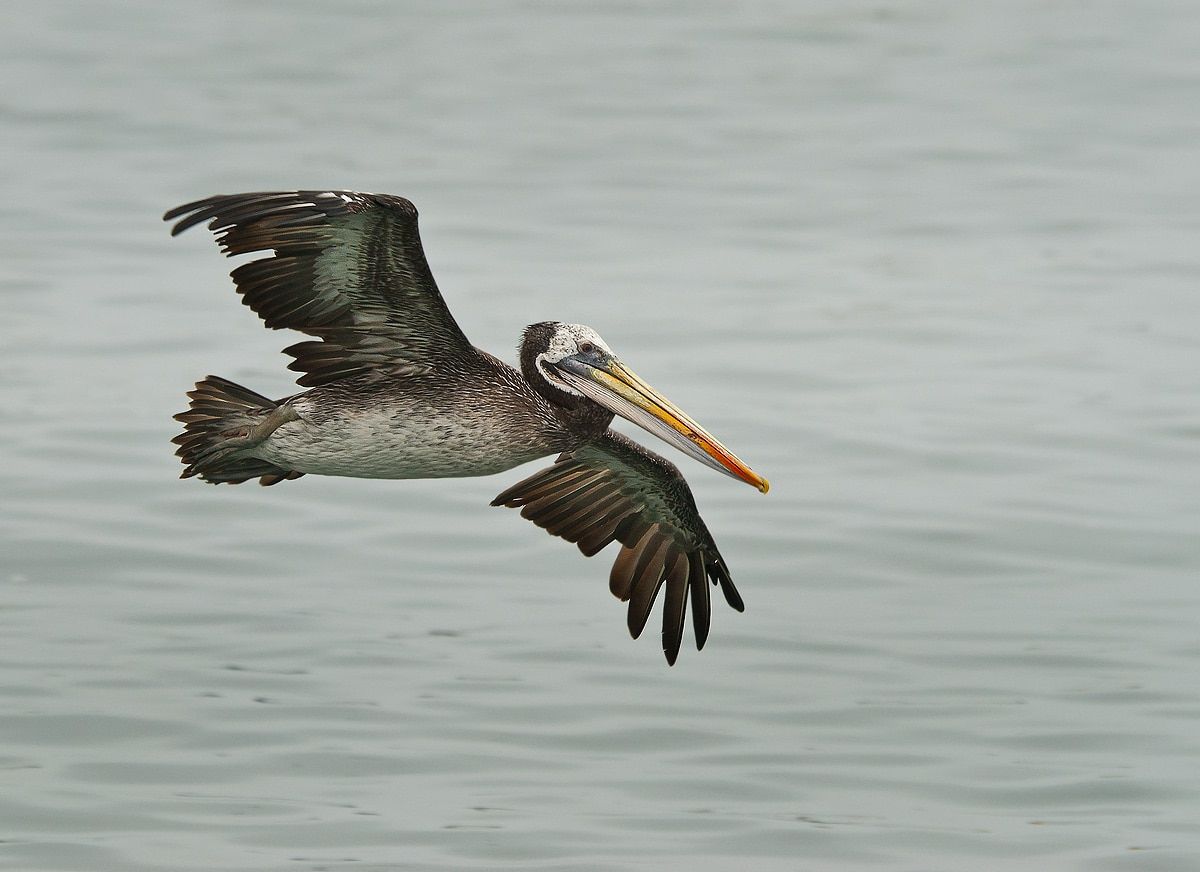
{"x":586,"y":348}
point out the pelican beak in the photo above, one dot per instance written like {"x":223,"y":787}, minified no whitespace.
{"x":616,"y":387}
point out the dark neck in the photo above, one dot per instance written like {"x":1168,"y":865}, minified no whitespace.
{"x":580,"y":415}
{"x":586,"y":417}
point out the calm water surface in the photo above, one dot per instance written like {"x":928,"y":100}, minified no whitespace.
{"x":931,"y":269}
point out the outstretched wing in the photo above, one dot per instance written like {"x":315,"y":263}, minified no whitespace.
{"x":345,"y":267}
{"x":612,"y":489}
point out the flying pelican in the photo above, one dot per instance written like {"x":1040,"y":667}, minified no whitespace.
{"x":397,"y":391}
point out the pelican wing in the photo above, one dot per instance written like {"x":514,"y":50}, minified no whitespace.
{"x":612,"y":489}
{"x":345,"y":267}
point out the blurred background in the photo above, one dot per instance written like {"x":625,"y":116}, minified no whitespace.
{"x":930,"y":267}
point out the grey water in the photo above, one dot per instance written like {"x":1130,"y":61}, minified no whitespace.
{"x":930,"y":267}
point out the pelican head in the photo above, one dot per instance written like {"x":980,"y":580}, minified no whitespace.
{"x":575,"y":360}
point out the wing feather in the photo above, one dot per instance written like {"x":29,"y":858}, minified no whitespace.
{"x":675,"y":605}
{"x":602,"y":531}
{"x":621,"y":577}
{"x":700,"y":600}
{"x":613,"y":490}
{"x":344,"y":266}
{"x":648,"y":577}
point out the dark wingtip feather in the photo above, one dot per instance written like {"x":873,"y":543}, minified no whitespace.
{"x":719,"y":573}
{"x":172,"y":214}
{"x":675,"y":606}
{"x":196,"y":206}
{"x":701,"y":605}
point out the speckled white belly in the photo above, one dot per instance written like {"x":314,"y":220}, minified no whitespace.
{"x":414,"y":443}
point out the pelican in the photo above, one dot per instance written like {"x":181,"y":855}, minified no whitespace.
{"x":396,"y":390}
